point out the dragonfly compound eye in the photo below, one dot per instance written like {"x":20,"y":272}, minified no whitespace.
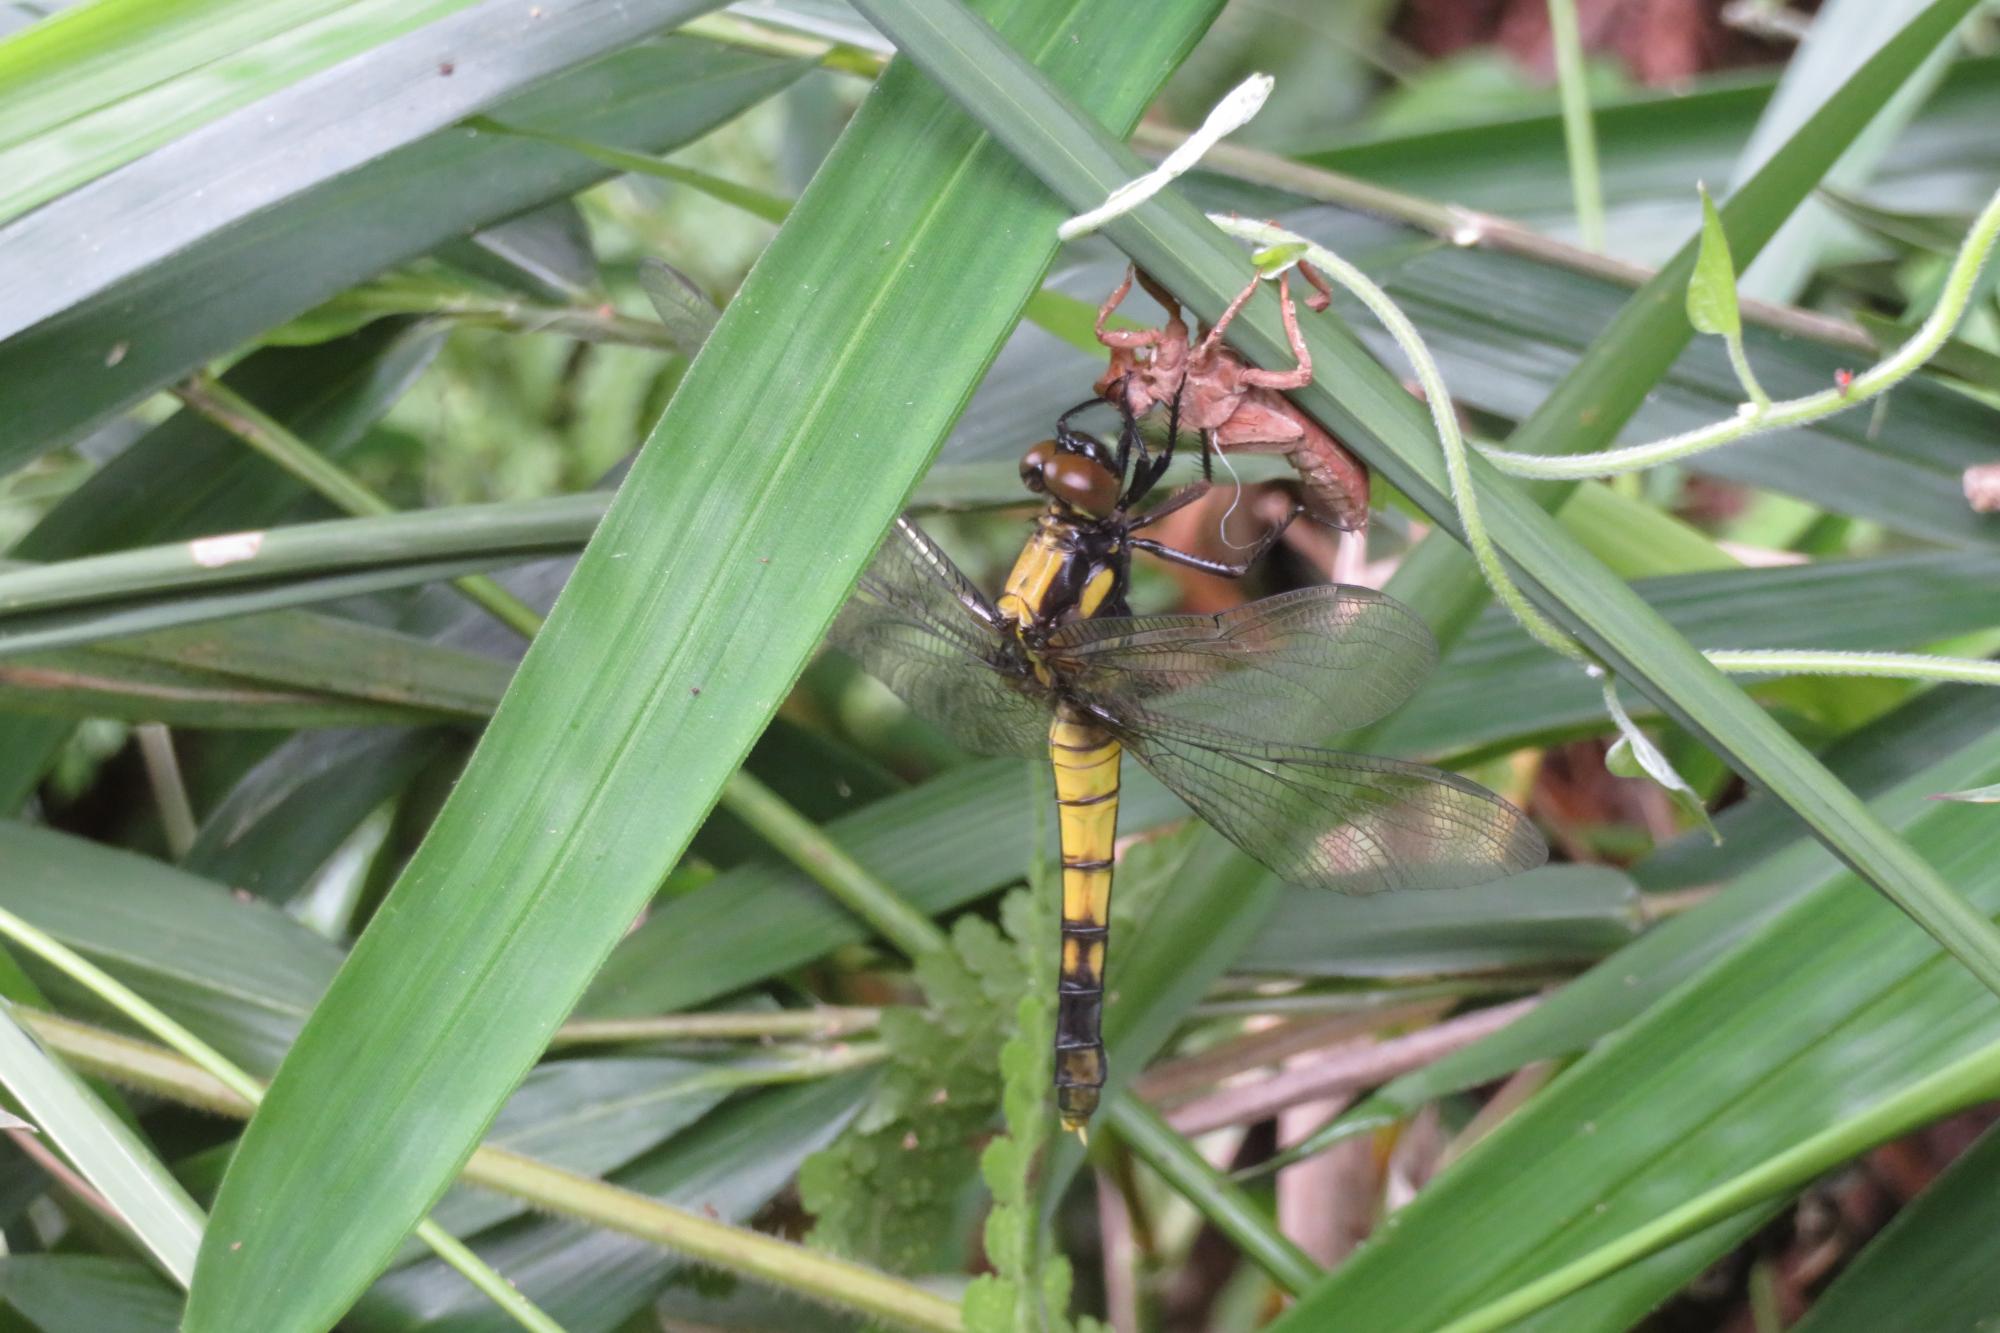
{"x":1034,"y":467}
{"x":1082,"y":483}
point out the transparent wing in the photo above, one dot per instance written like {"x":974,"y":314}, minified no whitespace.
{"x":920,"y":627}
{"x":1305,"y":664}
{"x":1348,"y":822}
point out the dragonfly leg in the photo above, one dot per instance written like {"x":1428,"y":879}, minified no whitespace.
{"x":1179,"y":500}
{"x":1225,"y":568}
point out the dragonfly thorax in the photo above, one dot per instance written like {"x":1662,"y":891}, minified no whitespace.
{"x":1070,"y":569}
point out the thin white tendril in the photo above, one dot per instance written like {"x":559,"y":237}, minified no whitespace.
{"x":1222,"y":526}
{"x":1233,"y":112}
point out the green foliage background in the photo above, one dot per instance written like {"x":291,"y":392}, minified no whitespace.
{"x":323,"y":808}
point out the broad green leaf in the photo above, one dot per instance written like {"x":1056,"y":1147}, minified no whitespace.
{"x":116,"y":1162}
{"x":726,"y":553}
{"x":227,"y":285}
{"x":1711,"y":295}
{"x":1750,"y":1055}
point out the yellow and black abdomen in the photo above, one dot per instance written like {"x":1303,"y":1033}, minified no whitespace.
{"x":1086,"y":766}
{"x":1065,"y":574}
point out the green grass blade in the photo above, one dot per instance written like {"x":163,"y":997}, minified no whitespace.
{"x":1222,"y":1203}
{"x":183,"y":478}
{"x":105,"y":1149}
{"x":97,"y":85}
{"x":794,"y":438}
{"x":1716,"y":1084}
{"x":187,"y":582}
{"x":334,"y":124}
{"x":133,"y":685}
{"x":1075,"y":157}
{"x":278,"y":824}
{"x":230,"y":284}
{"x":259,"y":671}
{"x":1842,"y":35}
{"x":1627,"y":360}
{"x":240,"y":974}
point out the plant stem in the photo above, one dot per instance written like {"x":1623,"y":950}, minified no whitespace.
{"x":163,"y":775}
{"x":734,"y":31}
{"x":248,"y":1092}
{"x":1878,"y":379}
{"x":734,"y":1249}
{"x":550,"y":1188}
{"x":825,"y":1023}
{"x":1739,"y":360}
{"x":1232,"y":1212}
{"x":247,"y":422}
{"x":1900,"y":666}
{"x":806,"y":846}
{"x":1579,"y":136}
{"x":1973,"y":1078}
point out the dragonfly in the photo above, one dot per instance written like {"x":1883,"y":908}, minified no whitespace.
{"x":1215,"y":706}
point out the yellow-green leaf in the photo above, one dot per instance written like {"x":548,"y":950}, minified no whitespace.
{"x":1711,"y":300}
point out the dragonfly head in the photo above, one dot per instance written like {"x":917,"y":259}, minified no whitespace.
{"x":1073,"y":470}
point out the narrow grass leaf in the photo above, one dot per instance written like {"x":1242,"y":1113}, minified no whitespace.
{"x":229,"y":284}
{"x":1722,"y":1073}
{"x":95,"y":86}
{"x":239,"y":974}
{"x":106,"y":1150}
